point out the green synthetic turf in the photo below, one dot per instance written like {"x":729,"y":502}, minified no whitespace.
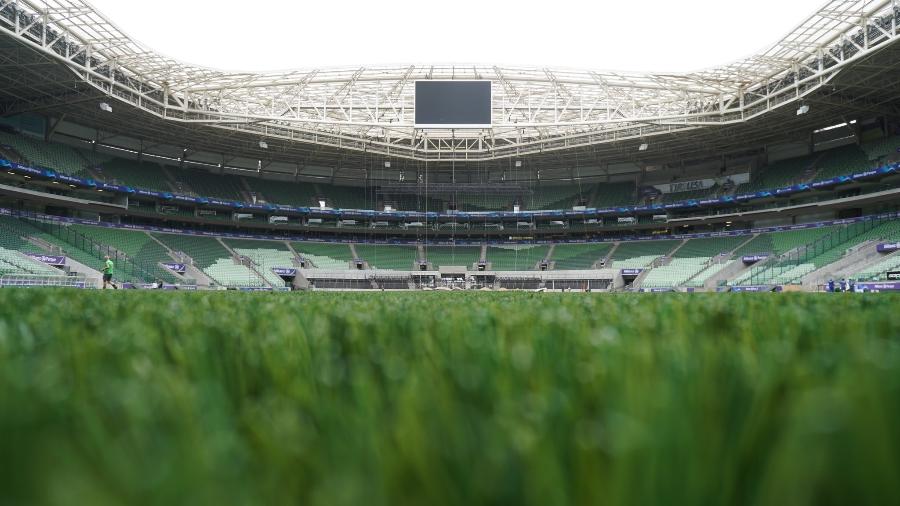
{"x":116,"y":397}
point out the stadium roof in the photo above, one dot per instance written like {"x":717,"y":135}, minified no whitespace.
{"x":370,"y":109}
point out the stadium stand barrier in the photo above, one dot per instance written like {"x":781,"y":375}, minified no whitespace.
{"x":37,"y":280}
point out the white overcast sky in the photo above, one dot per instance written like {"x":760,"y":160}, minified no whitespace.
{"x":645,"y":35}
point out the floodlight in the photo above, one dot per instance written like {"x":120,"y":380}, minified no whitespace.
{"x":643,"y":147}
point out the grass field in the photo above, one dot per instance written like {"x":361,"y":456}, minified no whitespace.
{"x":447,"y":398}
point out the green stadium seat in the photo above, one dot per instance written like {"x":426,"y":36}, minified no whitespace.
{"x":139,"y":246}
{"x":283,"y":192}
{"x":819,"y":253}
{"x":711,"y":270}
{"x":578,"y":256}
{"x":614,"y":194}
{"x":207,"y":184}
{"x":212,"y":258}
{"x":348,"y":197}
{"x":678,"y":271}
{"x":882,"y":148}
{"x":13,"y":262}
{"x":465,"y":256}
{"x":640,"y":254}
{"x":386,"y":256}
{"x":146,"y":175}
{"x":57,"y":157}
{"x":841,"y":162}
{"x":553,"y":197}
{"x":516,"y":257}
{"x":878,"y":271}
{"x":778,"y":174}
{"x":325,"y":255}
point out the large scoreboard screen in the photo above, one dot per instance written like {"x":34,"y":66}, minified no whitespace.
{"x":453,"y":104}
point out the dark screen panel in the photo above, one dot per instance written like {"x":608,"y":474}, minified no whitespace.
{"x":453,"y":103}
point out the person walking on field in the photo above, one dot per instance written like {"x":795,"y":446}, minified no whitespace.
{"x":108,"y":268}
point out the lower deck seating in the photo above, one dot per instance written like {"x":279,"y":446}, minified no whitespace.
{"x":708,"y":272}
{"x":388,"y":256}
{"x":90,"y":254}
{"x":229,"y":274}
{"x":267,"y":259}
{"x":325,"y":255}
{"x":693,"y":262}
{"x":640,"y":254}
{"x":709,"y":246}
{"x":678,"y":271}
{"x":578,"y":256}
{"x":13,"y":262}
{"x":203,"y":251}
{"x":139,"y":246}
{"x":821,"y":251}
{"x":878,"y":271}
{"x":636,"y":262}
{"x":777,"y":243}
{"x":213,"y":259}
{"x":265,"y":256}
{"x":516,"y":257}
{"x":453,"y":255}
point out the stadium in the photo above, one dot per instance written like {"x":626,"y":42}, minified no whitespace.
{"x":618,"y":212}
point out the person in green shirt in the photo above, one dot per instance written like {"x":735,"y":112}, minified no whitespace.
{"x":108,"y":268}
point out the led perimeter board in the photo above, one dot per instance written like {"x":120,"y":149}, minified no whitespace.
{"x":453,"y":104}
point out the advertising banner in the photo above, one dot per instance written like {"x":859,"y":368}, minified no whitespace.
{"x":54,"y":260}
{"x":178,"y":268}
{"x":752,"y":259}
{"x":879,"y":287}
{"x":751,"y":288}
{"x":701,"y":184}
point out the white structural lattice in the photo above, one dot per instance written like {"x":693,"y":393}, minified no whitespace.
{"x":372,"y":108}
